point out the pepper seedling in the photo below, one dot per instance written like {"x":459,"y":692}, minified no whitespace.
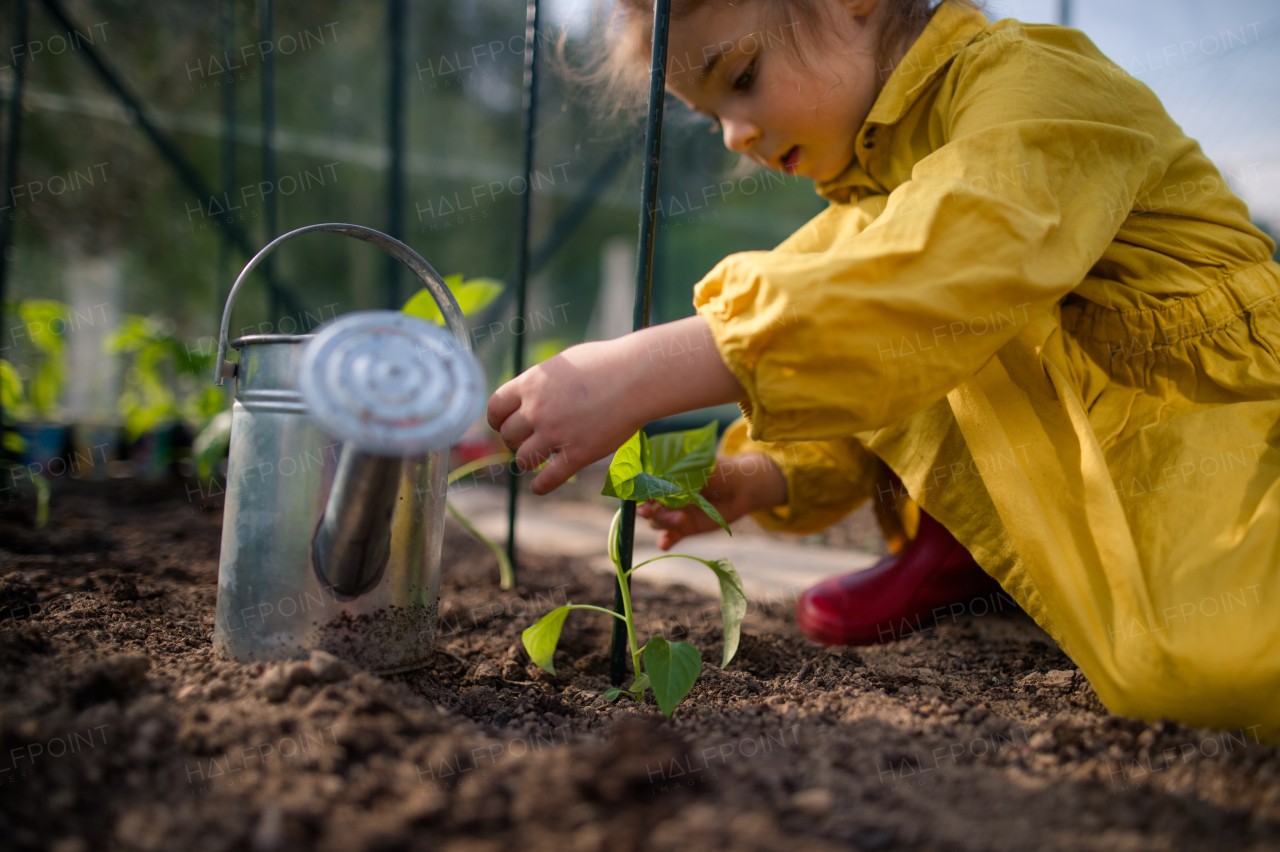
{"x":672,"y":469}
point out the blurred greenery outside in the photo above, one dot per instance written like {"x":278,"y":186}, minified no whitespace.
{"x":123,"y":218}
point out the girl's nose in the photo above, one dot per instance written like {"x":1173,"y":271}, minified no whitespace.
{"x":739,"y":135}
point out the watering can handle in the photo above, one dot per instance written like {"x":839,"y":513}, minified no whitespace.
{"x":401,"y":252}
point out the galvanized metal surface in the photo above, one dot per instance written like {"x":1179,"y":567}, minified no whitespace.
{"x":272,"y":603}
{"x":377,"y":605}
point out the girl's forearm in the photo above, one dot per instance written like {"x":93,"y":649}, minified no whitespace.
{"x":679,"y":368}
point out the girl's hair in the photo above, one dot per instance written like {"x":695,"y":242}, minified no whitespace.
{"x":617,"y":64}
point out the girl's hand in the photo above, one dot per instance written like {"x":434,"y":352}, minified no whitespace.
{"x":738,"y":486}
{"x":584,"y":403}
{"x":568,"y":411}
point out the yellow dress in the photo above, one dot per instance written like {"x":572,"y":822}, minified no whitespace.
{"x":1039,"y":303}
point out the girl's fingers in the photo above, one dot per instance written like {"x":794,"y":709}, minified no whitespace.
{"x":662,"y":518}
{"x":532,"y":452}
{"x":515,"y":432}
{"x":502,"y":404}
{"x":555,"y":474}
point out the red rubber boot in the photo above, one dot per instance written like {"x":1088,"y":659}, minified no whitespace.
{"x":903,"y":593}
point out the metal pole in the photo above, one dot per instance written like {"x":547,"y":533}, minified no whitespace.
{"x":266,"y":26}
{"x":1064,"y":12}
{"x":12,"y":148}
{"x":522,"y":272}
{"x":228,"y":142}
{"x":644,"y":287}
{"x":181,"y":166}
{"x":396,"y":15}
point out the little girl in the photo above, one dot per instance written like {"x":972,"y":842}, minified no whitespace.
{"x":1034,"y":321}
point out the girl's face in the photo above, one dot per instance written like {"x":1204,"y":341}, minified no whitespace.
{"x":801,"y":118}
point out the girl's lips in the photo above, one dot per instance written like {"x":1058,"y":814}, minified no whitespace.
{"x":791,"y":159}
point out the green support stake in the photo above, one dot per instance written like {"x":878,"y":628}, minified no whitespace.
{"x":644,"y":287}
{"x":522,"y":272}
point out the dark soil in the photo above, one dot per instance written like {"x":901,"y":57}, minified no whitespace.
{"x":120,"y":729}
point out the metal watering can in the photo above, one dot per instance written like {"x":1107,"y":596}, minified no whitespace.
{"x":336,"y":477}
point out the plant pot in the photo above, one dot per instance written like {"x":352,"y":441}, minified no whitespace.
{"x":152,"y":454}
{"x":43,"y":452}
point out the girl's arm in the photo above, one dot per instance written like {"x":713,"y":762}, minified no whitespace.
{"x":581,"y":405}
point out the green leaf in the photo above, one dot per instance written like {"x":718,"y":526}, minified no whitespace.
{"x":40,"y":315}
{"x":13,"y":442}
{"x":646,"y":486}
{"x":711,"y":511}
{"x":473,"y":296}
{"x":681,"y":499}
{"x":673,"y":668}
{"x":541,"y":639}
{"x":628,"y":462}
{"x":671,"y":468}
{"x":476,"y":295}
{"x":11,"y":394}
{"x":733,"y":605}
{"x":423,"y":304}
{"x":636,"y":690}
{"x":685,"y":458}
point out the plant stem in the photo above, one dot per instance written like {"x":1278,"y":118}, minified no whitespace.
{"x":42,"y":500}
{"x":664,"y":556}
{"x":471,"y":467}
{"x":596,"y":608}
{"x":625,"y":588}
{"x":507,"y":577}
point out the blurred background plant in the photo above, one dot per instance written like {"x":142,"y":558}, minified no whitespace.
{"x":161,"y":385}
{"x":34,"y":388}
{"x":162,"y":390}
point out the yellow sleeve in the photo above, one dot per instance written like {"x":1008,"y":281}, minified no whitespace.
{"x":825,"y":479}
{"x":854,"y":328}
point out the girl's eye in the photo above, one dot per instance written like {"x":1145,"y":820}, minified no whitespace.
{"x":743,"y":80}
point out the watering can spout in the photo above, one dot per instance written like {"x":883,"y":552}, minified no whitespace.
{"x":392,"y":387}
{"x":353,"y":541}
